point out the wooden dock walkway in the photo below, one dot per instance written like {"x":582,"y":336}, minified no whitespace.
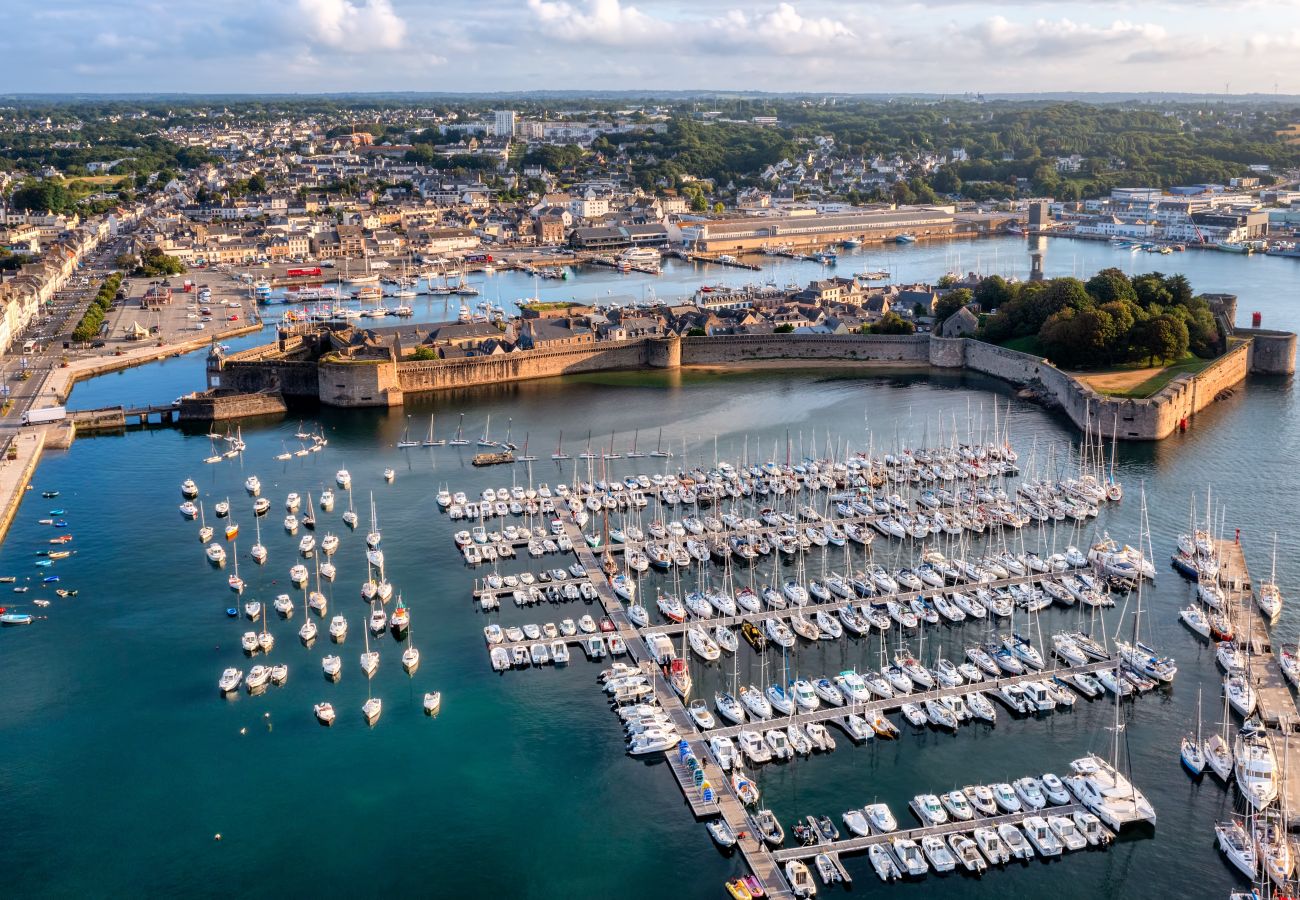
{"x":757,"y":856}
{"x":862,"y":844}
{"x":892,"y":704}
{"x":1276,"y":706}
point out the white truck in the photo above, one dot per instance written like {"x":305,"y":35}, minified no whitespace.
{"x":43,"y":416}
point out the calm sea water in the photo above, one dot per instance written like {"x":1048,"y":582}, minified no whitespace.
{"x":121,"y":762}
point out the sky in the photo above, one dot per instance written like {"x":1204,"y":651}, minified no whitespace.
{"x":934,"y":46}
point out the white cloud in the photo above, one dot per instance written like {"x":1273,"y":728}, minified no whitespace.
{"x":350,"y":27}
{"x":596,"y":21}
{"x":783,"y":30}
{"x":1061,"y":37}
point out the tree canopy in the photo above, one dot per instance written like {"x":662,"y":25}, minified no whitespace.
{"x":1110,"y":319}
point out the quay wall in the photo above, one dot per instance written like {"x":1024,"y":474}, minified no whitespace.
{"x":1149,"y":419}
{"x":739,"y":349}
{"x":336,"y":381}
{"x":217,"y":407}
{"x":436,"y":375}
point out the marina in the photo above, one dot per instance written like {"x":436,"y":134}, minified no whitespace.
{"x":525,"y":716}
{"x":691,"y":747}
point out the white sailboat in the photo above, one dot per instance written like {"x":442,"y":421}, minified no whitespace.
{"x":406,"y":441}
{"x":205,"y":530}
{"x":411,"y":655}
{"x":369,"y":658}
{"x":430,"y":441}
{"x":350,"y":516}
{"x":258,"y":551}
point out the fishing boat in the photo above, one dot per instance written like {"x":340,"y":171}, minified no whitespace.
{"x":432,"y":702}
{"x":324,"y":713}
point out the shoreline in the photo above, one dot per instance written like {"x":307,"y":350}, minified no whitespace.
{"x":796,"y":363}
{"x":16,"y":474}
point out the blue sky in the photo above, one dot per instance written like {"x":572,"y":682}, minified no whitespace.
{"x":463,"y":45}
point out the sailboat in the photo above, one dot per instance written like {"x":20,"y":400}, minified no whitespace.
{"x":232,"y":527}
{"x":429,"y":441}
{"x":350,"y":517}
{"x":1192,"y":754}
{"x":406,"y":436}
{"x":307,"y":633}
{"x":634,"y":453}
{"x":524,"y":457}
{"x":486,"y":440}
{"x":411,"y":655}
{"x":559,"y":449}
{"x":1217,"y":749}
{"x":258,"y":551}
{"x":205,"y":530}
{"x":236,"y":583}
{"x":659,"y":448}
{"x":459,"y":440}
{"x":373,"y":536}
{"x":1270,"y":596}
{"x":369,"y":658}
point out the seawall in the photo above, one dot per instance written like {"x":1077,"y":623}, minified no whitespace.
{"x":344,"y":382}
{"x":1152,"y":418}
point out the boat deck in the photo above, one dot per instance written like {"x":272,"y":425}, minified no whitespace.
{"x":835,"y":713}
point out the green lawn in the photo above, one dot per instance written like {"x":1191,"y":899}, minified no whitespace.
{"x":1190,"y":365}
{"x":1026,"y":344}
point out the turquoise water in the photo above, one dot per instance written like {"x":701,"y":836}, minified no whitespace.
{"x":117,"y":745}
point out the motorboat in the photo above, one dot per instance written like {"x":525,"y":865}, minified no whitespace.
{"x":1014,"y":840}
{"x":229,"y":681}
{"x":1042,"y":837}
{"x":938,"y":854}
{"x":967,"y":853}
{"x":981,"y":799}
{"x":1255,"y":767}
{"x":910,"y":857}
{"x":880,"y":818}
{"x":883,"y":862}
{"x":929,"y":809}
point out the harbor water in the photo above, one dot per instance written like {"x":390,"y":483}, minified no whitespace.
{"x":121,"y":762}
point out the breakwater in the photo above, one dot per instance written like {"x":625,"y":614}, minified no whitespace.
{"x":288,"y":368}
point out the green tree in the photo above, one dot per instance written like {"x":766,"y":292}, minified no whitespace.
{"x":1110,"y":284}
{"x":257,"y":183}
{"x":699,"y":204}
{"x":950,"y":302}
{"x":892,"y":323}
{"x":1163,"y":338}
{"x":992,"y":292}
{"x":783,"y":328}
{"x":42,"y":196}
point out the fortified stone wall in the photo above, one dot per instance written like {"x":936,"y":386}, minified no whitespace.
{"x":359,"y":382}
{"x":212,"y":407}
{"x":1271,"y":352}
{"x":436,"y":375}
{"x":1152,"y":418}
{"x":291,"y":378}
{"x":724,"y":349}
